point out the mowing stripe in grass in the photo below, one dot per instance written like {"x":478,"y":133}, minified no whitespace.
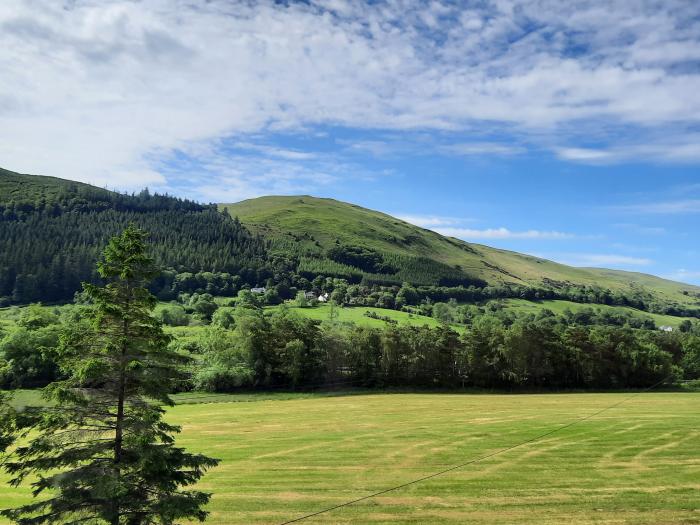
{"x":476,"y":460}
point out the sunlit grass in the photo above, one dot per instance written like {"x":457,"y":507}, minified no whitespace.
{"x":289,"y":454}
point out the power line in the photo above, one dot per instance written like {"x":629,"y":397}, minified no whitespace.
{"x":475,"y":460}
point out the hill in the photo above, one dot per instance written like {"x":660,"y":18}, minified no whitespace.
{"x":53,"y":230}
{"x":23,"y":188}
{"x":311,"y":226}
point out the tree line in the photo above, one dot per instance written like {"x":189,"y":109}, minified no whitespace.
{"x":244,"y":346}
{"x":259,"y":350}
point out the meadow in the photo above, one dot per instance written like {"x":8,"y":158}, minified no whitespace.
{"x":357,"y":315}
{"x":286,"y":455}
{"x":522,"y":306}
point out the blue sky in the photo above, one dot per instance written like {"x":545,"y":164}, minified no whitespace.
{"x":569,"y":130}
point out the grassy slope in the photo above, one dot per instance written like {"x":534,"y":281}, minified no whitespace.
{"x":22,"y":187}
{"x":287,"y":219}
{"x":9,"y":316}
{"x":634,"y":464}
{"x":357,"y":315}
{"x":523,"y":306}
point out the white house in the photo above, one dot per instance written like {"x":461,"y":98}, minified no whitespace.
{"x":323,"y":298}
{"x":258,"y":290}
{"x":666,"y":328}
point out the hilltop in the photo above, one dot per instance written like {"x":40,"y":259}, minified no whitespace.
{"x":23,"y":188}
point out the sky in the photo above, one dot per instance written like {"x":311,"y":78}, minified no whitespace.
{"x":568,"y":130}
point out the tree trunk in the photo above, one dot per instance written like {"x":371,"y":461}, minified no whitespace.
{"x":121,"y":395}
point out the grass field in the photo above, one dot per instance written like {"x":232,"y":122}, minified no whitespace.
{"x":357,"y":315}
{"x":558,"y":307}
{"x":288,"y":455}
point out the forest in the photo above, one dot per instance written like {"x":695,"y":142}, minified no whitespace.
{"x":51,"y":240}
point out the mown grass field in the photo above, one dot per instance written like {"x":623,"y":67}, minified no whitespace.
{"x":287,"y":455}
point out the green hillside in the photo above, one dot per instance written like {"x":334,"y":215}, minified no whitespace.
{"x":359,"y":316}
{"x":521,"y":306}
{"x":25,"y":188}
{"x":309,"y":226}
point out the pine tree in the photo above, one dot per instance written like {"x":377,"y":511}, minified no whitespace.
{"x":7,"y":433}
{"x":102,"y":446}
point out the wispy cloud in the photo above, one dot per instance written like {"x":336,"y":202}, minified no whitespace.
{"x":643,"y":230}
{"x":583,"y":154}
{"x":378,"y":148}
{"x":431,"y":221}
{"x":229,"y":172}
{"x":502,"y":233}
{"x":683,"y":148}
{"x":602,"y":260}
{"x":674,"y":207}
{"x":104,"y":91}
{"x":482,"y":148}
{"x":272,"y":151}
{"x":455,"y":227}
{"x":683,"y":275}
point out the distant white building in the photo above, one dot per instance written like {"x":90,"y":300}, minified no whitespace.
{"x":258,"y":290}
{"x":666,"y":328}
{"x":323,"y":298}
{"x":310,"y":296}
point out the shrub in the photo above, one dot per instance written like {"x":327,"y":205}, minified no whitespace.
{"x":29,"y":358}
{"x":174,"y":315}
{"x":224,"y":317}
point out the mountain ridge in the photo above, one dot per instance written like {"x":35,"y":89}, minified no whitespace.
{"x":328,"y":221}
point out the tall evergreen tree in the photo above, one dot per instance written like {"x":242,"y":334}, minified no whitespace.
{"x":6,"y":423}
{"x":101,"y":445}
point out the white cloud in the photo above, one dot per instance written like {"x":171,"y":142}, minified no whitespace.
{"x":378,"y":148}
{"x":643,"y":230}
{"x":684,"y":275}
{"x":681,"y":149}
{"x":272,"y":151}
{"x":102,"y":91}
{"x":597,"y":260}
{"x":216,"y":172}
{"x":674,"y":207}
{"x":583,"y":154}
{"x":453,"y":227}
{"x":502,"y":233}
{"x":482,"y":148}
{"x":430,"y":221}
